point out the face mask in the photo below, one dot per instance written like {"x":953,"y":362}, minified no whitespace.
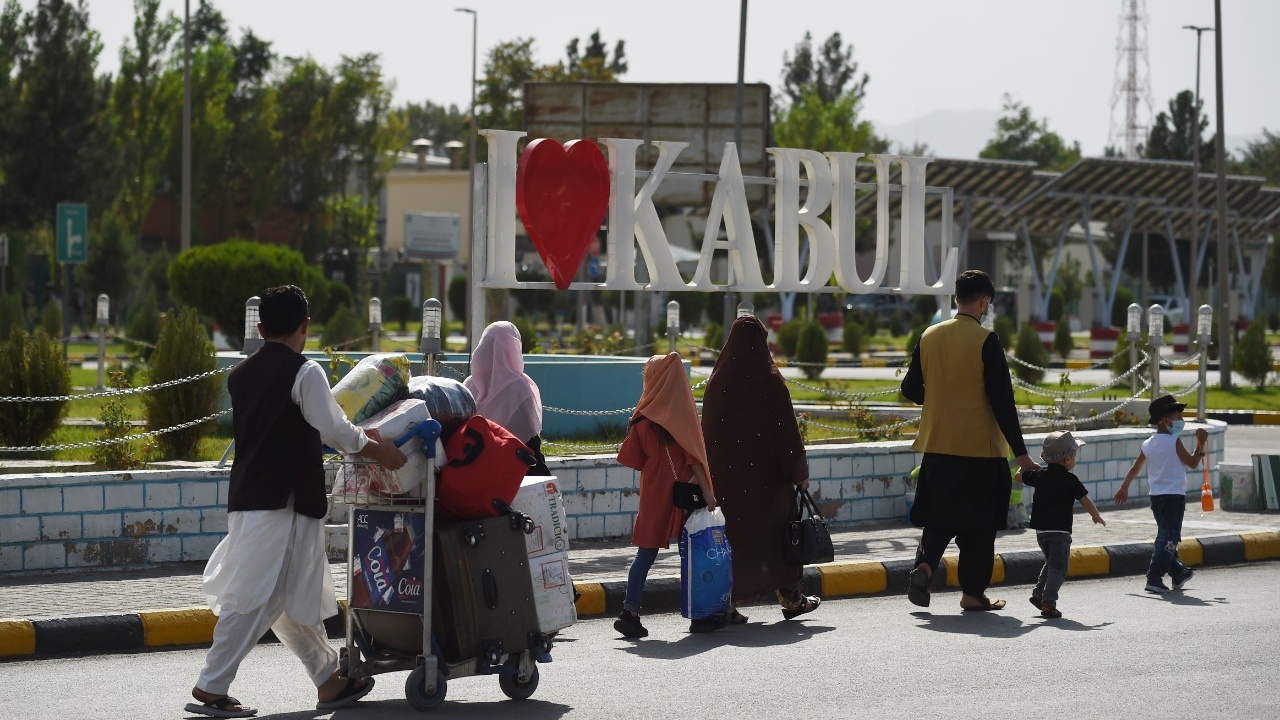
{"x":1175,"y":427}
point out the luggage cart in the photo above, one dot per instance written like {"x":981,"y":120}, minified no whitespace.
{"x":383,"y":635}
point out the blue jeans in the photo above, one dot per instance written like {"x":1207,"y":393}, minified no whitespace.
{"x":1057,"y":553}
{"x":636,"y":577}
{"x":1168,"y":511}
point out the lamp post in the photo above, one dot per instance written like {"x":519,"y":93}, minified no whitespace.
{"x":185,"y":223}
{"x":746,"y":309}
{"x":430,"y":345}
{"x":1226,"y":305}
{"x":673,"y":324}
{"x":104,"y":313}
{"x":375,"y":323}
{"x":471,"y":183}
{"x":739,"y":101}
{"x":1204,"y":333}
{"x":252,"y":336}
{"x":1155,"y":338}
{"x":1195,"y":176}
{"x":1134,"y":330}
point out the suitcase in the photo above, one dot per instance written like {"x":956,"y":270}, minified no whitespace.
{"x":483,"y":604}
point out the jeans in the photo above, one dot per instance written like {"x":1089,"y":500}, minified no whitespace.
{"x":1168,"y":511}
{"x":977,"y":555}
{"x":636,"y":578}
{"x":1057,"y":552}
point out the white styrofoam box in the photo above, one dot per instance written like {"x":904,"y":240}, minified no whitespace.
{"x":553,"y":592}
{"x":540,"y":499}
{"x":360,"y":476}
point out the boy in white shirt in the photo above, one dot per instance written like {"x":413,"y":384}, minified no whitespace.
{"x":1167,"y":461}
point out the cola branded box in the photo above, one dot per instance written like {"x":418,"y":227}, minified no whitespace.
{"x":553,"y":591}
{"x":540,"y":499}
{"x":387,"y":561}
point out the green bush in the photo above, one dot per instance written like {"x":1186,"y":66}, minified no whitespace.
{"x":51,"y":320}
{"x":337,"y":296}
{"x":914,"y":338}
{"x":458,"y":297}
{"x":851,"y":340}
{"x":871,"y":325}
{"x":11,"y":315}
{"x":713,"y":336}
{"x":528,"y":335}
{"x":33,"y":367}
{"x":1030,"y":350}
{"x":144,"y":326}
{"x":1273,"y":321}
{"x":183,"y":351}
{"x":120,"y":455}
{"x":1056,"y":304}
{"x":400,"y":309}
{"x":343,"y":330}
{"x":1120,"y":362}
{"x":1005,"y":331}
{"x":1252,"y":357}
{"x":923,"y":307}
{"x":1062,"y":342}
{"x":789,"y":336}
{"x":812,"y":349}
{"x":897,"y":321}
{"x":218,"y":279}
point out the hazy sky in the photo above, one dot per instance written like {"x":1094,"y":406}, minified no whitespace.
{"x":1058,"y":56}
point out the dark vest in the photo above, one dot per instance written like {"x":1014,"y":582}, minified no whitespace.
{"x":277,"y":451}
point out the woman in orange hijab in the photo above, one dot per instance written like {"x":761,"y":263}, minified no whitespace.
{"x":664,"y":442}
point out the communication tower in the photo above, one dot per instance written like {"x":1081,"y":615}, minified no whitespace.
{"x":1133,"y":80}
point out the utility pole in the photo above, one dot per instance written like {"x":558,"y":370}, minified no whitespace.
{"x":467,"y":330}
{"x":1226,"y":326}
{"x":1195,"y":180}
{"x":186,"y":127}
{"x":730,"y":302}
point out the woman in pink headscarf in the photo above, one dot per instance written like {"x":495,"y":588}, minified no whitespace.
{"x":503,"y":392}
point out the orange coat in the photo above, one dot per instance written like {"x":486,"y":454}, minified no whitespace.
{"x":658,"y":520}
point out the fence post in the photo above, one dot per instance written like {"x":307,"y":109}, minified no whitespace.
{"x":1204,"y":331}
{"x":1155,"y":338}
{"x":1134,"y":330}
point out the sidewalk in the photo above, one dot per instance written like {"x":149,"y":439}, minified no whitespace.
{"x":105,"y":612}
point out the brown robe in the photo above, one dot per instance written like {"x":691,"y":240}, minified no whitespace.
{"x":757,"y":457}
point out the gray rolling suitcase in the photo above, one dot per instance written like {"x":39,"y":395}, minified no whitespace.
{"x":484,"y":605}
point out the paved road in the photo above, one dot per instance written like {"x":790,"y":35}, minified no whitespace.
{"x":1209,"y":651}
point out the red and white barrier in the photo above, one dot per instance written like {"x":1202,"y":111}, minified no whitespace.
{"x":1102,"y":342}
{"x":1046,"y":330}
{"x":1181,"y":343}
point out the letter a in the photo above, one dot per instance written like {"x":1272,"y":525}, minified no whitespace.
{"x":740,"y":242}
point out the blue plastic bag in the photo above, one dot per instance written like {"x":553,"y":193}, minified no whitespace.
{"x":706,"y":566}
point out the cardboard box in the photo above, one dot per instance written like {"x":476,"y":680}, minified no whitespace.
{"x":387,"y":561}
{"x":553,"y":592}
{"x":540,"y":499}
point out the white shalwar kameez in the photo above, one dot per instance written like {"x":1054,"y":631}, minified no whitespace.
{"x":272,"y":571}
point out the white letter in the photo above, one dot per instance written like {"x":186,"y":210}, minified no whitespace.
{"x":914,"y":246}
{"x":740,"y":241}
{"x":500,"y":267}
{"x":635,"y":218}
{"x":791,"y":217}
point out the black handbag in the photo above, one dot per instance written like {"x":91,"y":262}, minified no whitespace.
{"x":808,"y":540}
{"x":685,"y":495}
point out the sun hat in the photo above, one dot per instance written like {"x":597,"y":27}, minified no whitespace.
{"x":1162,"y":406}
{"x":1058,"y":445}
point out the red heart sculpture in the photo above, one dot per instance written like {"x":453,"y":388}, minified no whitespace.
{"x":562,"y":193}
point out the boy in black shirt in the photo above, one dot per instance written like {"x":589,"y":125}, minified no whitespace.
{"x":1056,"y":491}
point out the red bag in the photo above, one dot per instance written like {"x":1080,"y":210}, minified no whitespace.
{"x":485,"y":467}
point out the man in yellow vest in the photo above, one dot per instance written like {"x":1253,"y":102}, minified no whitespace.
{"x":967,"y":427}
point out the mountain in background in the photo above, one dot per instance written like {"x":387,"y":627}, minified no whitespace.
{"x":948,"y":133}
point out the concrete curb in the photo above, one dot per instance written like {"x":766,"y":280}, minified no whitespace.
{"x":106,"y":634}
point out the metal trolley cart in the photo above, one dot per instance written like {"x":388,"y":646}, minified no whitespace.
{"x":390,"y":593}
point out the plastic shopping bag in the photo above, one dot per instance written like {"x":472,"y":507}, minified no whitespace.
{"x":706,"y":566}
{"x":372,"y":385}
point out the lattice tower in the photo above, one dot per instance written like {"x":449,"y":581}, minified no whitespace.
{"x":1133,"y":80}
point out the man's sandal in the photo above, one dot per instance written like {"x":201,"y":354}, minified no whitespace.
{"x":806,"y":605}
{"x":220,"y":708}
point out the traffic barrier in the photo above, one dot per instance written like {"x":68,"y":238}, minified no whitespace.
{"x":1181,"y":342}
{"x":1103,"y":342}
{"x":1045,"y":330}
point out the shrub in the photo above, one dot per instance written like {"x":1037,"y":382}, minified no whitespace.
{"x":120,"y":455}
{"x":1005,"y":331}
{"x":1056,"y":304}
{"x":1273,"y":321}
{"x":1120,"y":361}
{"x":218,"y":279}
{"x":10,"y":315}
{"x":1252,"y":358}
{"x":714,"y":336}
{"x":851,"y":340}
{"x":528,"y":336}
{"x":343,"y":330}
{"x":338,"y":295}
{"x":182,"y":351}
{"x":872,"y":324}
{"x":1062,"y":342}
{"x":812,"y":349}
{"x":400,"y":309}
{"x":789,"y":336}
{"x":897,"y":321}
{"x":144,"y":326}
{"x":1029,"y":349}
{"x":51,"y":319}
{"x":914,"y":338}
{"x":923,"y":307}
{"x":458,"y":297}
{"x":33,"y":367}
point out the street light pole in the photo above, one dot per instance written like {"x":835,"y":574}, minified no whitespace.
{"x":1226,"y":311}
{"x":186,"y":127}
{"x":1195,"y":178}
{"x":471,"y":183}
{"x":739,"y":100}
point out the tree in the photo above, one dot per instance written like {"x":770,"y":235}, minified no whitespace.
{"x":1252,"y":358}
{"x":437,"y":123}
{"x":1030,"y":350}
{"x":183,"y":351}
{"x":500,"y":97}
{"x":1021,"y":137}
{"x":1062,"y":342}
{"x":1173,"y":135}
{"x":594,"y":64}
{"x":34,"y":367}
{"x":107,"y":269}
{"x":1261,"y":157}
{"x":829,"y":75}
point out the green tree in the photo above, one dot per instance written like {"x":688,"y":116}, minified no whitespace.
{"x":34,"y":367}
{"x":829,"y":75}
{"x":107,"y":269}
{"x":1031,"y":351}
{"x":851,"y":339}
{"x":1252,"y":357}
{"x":500,"y":97}
{"x":183,"y":351}
{"x":593,"y":64}
{"x":811,"y":349}
{"x":1261,"y":157}
{"x":1062,"y":342}
{"x":1021,"y":137}
{"x":1173,"y":135}
{"x":437,"y":123}
{"x":144,"y":326}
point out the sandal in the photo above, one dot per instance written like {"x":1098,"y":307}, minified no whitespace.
{"x":1050,"y":610}
{"x":1037,"y":601}
{"x":918,"y":587}
{"x":352,"y":692}
{"x":987,"y":605}
{"x":737,"y":618}
{"x":218,"y":707}
{"x":807,"y":605}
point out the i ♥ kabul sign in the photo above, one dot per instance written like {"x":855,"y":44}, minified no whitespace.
{"x":564,"y":192}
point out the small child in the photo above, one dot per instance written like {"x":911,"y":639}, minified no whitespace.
{"x":1167,"y":461}
{"x":1057,"y":490}
{"x":664,"y":442}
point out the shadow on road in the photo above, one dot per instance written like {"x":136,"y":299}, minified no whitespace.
{"x":994,"y":625}
{"x":533,"y":709}
{"x":1180,"y":597}
{"x":751,"y":635}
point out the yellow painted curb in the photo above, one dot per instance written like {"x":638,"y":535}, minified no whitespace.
{"x":17,"y":637}
{"x":590,"y":599}
{"x":1079,"y":364}
{"x":1266,"y":417}
{"x":1089,"y":561}
{"x":1191,"y":552}
{"x":866,"y":578}
{"x":875,"y":362}
{"x":997,"y":571}
{"x":952,"y":562}
{"x":177,"y":627}
{"x":1261,"y":545}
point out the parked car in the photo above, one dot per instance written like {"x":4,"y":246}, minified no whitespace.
{"x":884,"y":306}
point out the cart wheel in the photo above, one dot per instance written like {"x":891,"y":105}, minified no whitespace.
{"x":513,"y":688}
{"x":417,"y":697}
